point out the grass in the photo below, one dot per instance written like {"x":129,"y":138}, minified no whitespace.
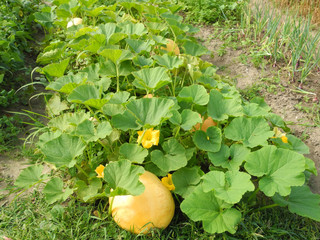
{"x":32,"y":218}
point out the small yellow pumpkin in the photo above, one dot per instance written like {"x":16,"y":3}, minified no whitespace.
{"x":154,"y":208}
{"x":171,"y":47}
{"x":205,"y":124}
{"x":74,"y":22}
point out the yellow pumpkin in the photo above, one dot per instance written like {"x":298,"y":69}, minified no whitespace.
{"x":171,"y":47}
{"x":154,"y":208}
{"x":205,"y":124}
{"x":74,"y":22}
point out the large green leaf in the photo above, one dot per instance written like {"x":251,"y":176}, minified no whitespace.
{"x":251,"y":131}
{"x":56,"y":69}
{"x":134,"y":29}
{"x":208,"y":141}
{"x":133,"y":152}
{"x":88,"y":192}
{"x":230,"y":158}
{"x":144,"y":112}
{"x":66,"y":84}
{"x":68,"y":121}
{"x":53,"y":191}
{"x":302,"y":202}
{"x":216,"y":215}
{"x":29,"y":176}
{"x":174,"y":157}
{"x":196,"y":94}
{"x":123,"y":178}
{"x":139,"y":46}
{"x":186,"y":179}
{"x":88,"y":95}
{"x":294,"y":144}
{"x":194,"y":49}
{"x":220,"y":108}
{"x":229,"y":186}
{"x":151,"y":79}
{"x":90,"y":133}
{"x":55,"y":106}
{"x":279,"y":169}
{"x":63,"y":150}
{"x":170,"y":62}
{"x":189,"y":119}
{"x":254,"y":110}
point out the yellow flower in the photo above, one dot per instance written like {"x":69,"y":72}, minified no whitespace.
{"x":284,"y":139}
{"x":167,"y":182}
{"x":99,"y":171}
{"x":279,"y":134}
{"x":148,"y":137}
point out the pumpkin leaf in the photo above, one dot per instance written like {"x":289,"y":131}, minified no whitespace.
{"x":63,"y":150}
{"x":67,"y":122}
{"x":56,"y":69}
{"x":139,"y":46}
{"x":123,"y":178}
{"x":170,"y":62}
{"x":151,"y":79}
{"x":133,"y":152}
{"x":216,"y":215}
{"x":251,"y":131}
{"x":142,"y":61}
{"x":66,"y":84}
{"x":208,"y":141}
{"x":229,"y":186}
{"x":88,"y":192}
{"x":196,"y":94}
{"x":254,"y":110}
{"x":311,"y":167}
{"x":29,"y":176}
{"x":230,"y":158}
{"x":189,"y":119}
{"x":294,"y":144}
{"x":53,"y":191}
{"x":302,"y":202}
{"x":220,"y":108}
{"x":194,"y":49}
{"x":186,"y":179}
{"x":174,"y":158}
{"x":89,"y":133}
{"x":279,"y":169}
{"x":144,"y":112}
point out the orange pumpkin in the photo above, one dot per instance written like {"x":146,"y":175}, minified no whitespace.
{"x":171,"y":47}
{"x":205,"y":124}
{"x":154,"y":208}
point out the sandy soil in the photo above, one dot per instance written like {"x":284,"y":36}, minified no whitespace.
{"x":282,"y":102}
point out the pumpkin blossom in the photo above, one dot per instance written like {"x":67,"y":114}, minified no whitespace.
{"x":279,"y":134}
{"x":99,"y":171}
{"x":167,"y":182}
{"x":148,"y":137}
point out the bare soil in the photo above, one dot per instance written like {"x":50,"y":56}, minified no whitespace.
{"x":283,"y":99}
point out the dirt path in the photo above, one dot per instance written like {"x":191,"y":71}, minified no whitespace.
{"x":282,"y":102}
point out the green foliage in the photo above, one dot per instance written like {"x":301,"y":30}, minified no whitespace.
{"x":212,"y":11}
{"x":107,"y":120}
{"x":16,"y":29}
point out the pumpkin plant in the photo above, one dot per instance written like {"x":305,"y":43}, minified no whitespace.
{"x":215,"y":151}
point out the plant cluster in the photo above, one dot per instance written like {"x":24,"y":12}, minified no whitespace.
{"x":16,"y":29}
{"x":289,"y":41}
{"x":204,"y":11}
{"x":131,"y":94}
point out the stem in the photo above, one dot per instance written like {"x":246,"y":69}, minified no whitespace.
{"x":266,"y":207}
{"x":253,"y":194}
{"x":81,"y":170}
{"x":144,"y":132}
{"x":118,"y":81}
